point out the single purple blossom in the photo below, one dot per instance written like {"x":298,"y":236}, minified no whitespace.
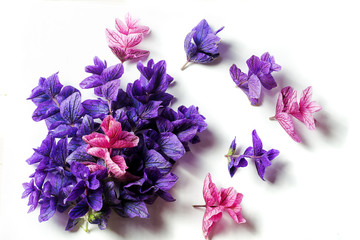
{"x":201,"y":44}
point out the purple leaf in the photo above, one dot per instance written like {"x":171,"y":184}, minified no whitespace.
{"x":71,"y":109}
{"x":79,"y":170}
{"x":171,"y":145}
{"x":95,"y":200}
{"x":96,"y":108}
{"x":47,"y":209}
{"x":80,"y":155}
{"x":135,"y":209}
{"x":110,"y":89}
{"x":112,"y":73}
{"x":155,"y":159}
{"x":76,"y":191}
{"x":79,"y":210}
{"x":149,"y":110}
{"x":52,"y":85}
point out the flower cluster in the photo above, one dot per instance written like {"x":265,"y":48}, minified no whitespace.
{"x":201,"y":44}
{"x":288,"y":106}
{"x":218,"y":201}
{"x":114,"y":153}
{"x":259,"y":73}
{"x":262,"y":158}
{"x":127,"y":36}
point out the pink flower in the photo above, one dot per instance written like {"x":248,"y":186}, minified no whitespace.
{"x":287,"y":105}
{"x":101,"y":145}
{"x":218,"y":201}
{"x":127,"y":36}
{"x":307,"y":108}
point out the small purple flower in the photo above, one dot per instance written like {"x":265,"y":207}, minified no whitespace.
{"x":259,"y":74}
{"x":261,"y":157}
{"x":201,"y":44}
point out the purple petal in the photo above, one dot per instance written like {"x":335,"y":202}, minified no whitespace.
{"x":155,"y":159}
{"x":112,"y":73}
{"x":72,"y":223}
{"x":201,"y":31}
{"x":52,"y":85}
{"x":171,"y":145}
{"x":96,"y":108}
{"x":48,"y":209}
{"x":237,"y":76}
{"x":97,"y":68}
{"x":272,"y":153}
{"x":94,"y":199}
{"x":91,"y":82}
{"x":110,"y":89}
{"x":79,"y":210}
{"x":79,"y":170}
{"x":254,"y":87}
{"x":76,"y":191}
{"x":135,"y":209}
{"x":166,"y":182}
{"x":257,"y":144}
{"x":71,"y":109}
{"x":267,"y":80}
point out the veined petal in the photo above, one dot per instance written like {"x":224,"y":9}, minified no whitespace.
{"x":285,"y":121}
{"x":212,"y":215}
{"x":210,"y":191}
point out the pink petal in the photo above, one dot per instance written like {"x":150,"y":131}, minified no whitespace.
{"x":289,"y":99}
{"x":305,"y":97}
{"x":121,"y":27}
{"x":119,"y":53}
{"x":96,"y":140}
{"x":116,"y":165}
{"x":93,"y":167}
{"x":132,"y":40}
{"x":97,"y":151}
{"x":210,"y":191}
{"x":286,"y":122}
{"x":280,"y":104}
{"x":134,"y":27}
{"x":126,"y":140}
{"x":132,"y":53}
{"x":211,"y":216}
{"x":114,"y":39}
{"x":111,"y":128}
{"x":309,"y":120}
{"x":227,"y":196}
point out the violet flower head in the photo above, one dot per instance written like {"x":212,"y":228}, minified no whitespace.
{"x":259,"y":73}
{"x":201,"y":44}
{"x":261,"y":157}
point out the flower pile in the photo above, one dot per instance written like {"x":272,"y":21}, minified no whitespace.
{"x":114,"y":153}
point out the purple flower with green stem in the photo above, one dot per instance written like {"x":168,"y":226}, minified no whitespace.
{"x":261,"y":157}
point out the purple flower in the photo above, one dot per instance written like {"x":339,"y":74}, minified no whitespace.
{"x":259,"y":74}
{"x":201,"y":44}
{"x":88,"y":184}
{"x":261,"y":157}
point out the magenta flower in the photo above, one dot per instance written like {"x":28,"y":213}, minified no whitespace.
{"x":127,"y":36}
{"x":287,"y":106}
{"x":227,"y":199}
{"x":101,"y":145}
{"x":307,"y":108}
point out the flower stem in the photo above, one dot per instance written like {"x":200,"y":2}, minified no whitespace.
{"x":272,"y":118}
{"x":184,"y":66}
{"x":198,"y":206}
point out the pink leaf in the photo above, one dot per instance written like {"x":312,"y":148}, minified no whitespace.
{"x":218,"y":201}
{"x":307,"y":108}
{"x":131,"y":26}
{"x":114,"y":137}
{"x":210,"y":191}
{"x":93,"y":167}
{"x":132,"y":53}
{"x":132,"y":40}
{"x":286,"y":122}
{"x":211,"y":216}
{"x":116,"y":165}
{"x":114,"y":39}
{"x":111,"y":128}
{"x":96,"y":140}
{"x":120,"y":53}
{"x":97,"y":151}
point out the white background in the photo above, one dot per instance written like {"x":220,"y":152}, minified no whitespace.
{"x":312,"y":189}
